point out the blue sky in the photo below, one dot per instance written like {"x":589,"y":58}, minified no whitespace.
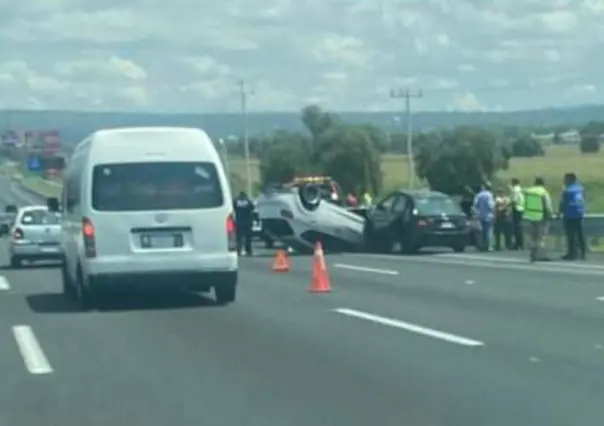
{"x":186,"y":55}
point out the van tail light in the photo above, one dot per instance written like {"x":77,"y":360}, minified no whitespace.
{"x":18,"y":234}
{"x":231,"y":233}
{"x":88,"y":235}
{"x":421,"y":223}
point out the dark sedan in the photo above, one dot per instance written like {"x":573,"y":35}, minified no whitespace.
{"x":416,"y":219}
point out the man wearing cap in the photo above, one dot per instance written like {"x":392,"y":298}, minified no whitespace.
{"x":537,"y":212}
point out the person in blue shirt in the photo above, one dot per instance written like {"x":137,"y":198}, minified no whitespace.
{"x":484,"y":206}
{"x":572,"y":210}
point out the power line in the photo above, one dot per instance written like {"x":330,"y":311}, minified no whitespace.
{"x":244,"y":93}
{"x":408,"y":95}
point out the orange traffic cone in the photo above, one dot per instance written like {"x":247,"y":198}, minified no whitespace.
{"x":319,"y":280}
{"x":281,"y":262}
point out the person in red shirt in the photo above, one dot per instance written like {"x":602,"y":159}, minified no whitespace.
{"x":351,"y":200}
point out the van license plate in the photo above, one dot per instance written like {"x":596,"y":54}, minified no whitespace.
{"x":161,"y":241}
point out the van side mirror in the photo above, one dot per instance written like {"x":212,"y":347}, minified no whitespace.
{"x":53,"y":204}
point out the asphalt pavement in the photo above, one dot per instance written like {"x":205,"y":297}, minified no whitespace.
{"x":429,"y":340}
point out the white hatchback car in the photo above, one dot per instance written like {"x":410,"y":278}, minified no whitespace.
{"x":35,"y":236}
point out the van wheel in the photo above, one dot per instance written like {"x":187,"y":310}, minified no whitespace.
{"x":226,"y":292}
{"x":84,"y":295}
{"x":15,"y":262}
{"x":68,"y":289}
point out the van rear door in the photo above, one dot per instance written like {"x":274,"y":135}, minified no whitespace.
{"x":168,"y":207}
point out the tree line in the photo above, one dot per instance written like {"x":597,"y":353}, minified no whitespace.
{"x":447,"y":160}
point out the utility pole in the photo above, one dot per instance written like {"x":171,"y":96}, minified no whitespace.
{"x":408,"y":95}
{"x":244,"y":92}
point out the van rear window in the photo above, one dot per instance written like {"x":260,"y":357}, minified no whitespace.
{"x":156,"y":186}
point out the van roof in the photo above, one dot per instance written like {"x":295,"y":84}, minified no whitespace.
{"x":139,"y":144}
{"x":103,"y":133}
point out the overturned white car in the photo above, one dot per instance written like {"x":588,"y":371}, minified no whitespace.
{"x":309,"y":210}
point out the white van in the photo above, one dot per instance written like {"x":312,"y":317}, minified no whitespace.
{"x":147,"y":208}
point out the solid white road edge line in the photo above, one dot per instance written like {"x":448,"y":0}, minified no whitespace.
{"x":441,"y":335}
{"x":601,"y":299}
{"x":365,"y":269}
{"x":33,"y":356}
{"x":4,"y":285}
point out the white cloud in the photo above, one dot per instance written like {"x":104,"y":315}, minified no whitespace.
{"x":185,"y":55}
{"x":466,"y":68}
{"x":467,"y":102}
{"x":560,"y":21}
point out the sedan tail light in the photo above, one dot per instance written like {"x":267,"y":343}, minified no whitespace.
{"x":18,"y":234}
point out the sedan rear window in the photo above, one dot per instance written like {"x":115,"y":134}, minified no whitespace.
{"x":40,"y":217}
{"x":156,"y":186}
{"x":436,"y":205}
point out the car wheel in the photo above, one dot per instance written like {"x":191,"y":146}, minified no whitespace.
{"x":407,"y":247}
{"x":15,"y":262}
{"x":310,"y":196}
{"x":459,"y":248}
{"x":226,"y":292}
{"x":269,"y":244}
{"x":370,"y":242}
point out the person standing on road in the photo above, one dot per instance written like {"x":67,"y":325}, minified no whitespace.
{"x":502,"y":221}
{"x":244,"y":218}
{"x":517,"y":210}
{"x":538,"y":213}
{"x":483,"y":207}
{"x":572,"y":209}
{"x":367,"y":199}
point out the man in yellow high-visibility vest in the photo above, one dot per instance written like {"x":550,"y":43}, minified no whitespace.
{"x":538,"y":212}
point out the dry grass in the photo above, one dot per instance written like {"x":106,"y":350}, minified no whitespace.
{"x":559,"y":159}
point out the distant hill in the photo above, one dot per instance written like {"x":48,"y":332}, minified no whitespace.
{"x":74,"y":126}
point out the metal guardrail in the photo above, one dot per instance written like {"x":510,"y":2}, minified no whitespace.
{"x":593,"y":227}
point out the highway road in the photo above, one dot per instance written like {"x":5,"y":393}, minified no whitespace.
{"x":429,"y":340}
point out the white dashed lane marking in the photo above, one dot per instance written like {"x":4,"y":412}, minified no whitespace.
{"x":413,"y":328}
{"x":366,"y":269}
{"x":31,"y":351}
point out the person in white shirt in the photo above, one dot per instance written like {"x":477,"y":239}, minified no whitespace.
{"x":517,"y":205}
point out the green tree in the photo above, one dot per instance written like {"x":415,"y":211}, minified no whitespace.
{"x":350,"y":155}
{"x":526,"y":147}
{"x":452,"y":160}
{"x":595,"y":128}
{"x":283,"y":156}
{"x":590,"y":144}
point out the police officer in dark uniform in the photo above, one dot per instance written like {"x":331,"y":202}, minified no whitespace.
{"x":244,"y":217}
